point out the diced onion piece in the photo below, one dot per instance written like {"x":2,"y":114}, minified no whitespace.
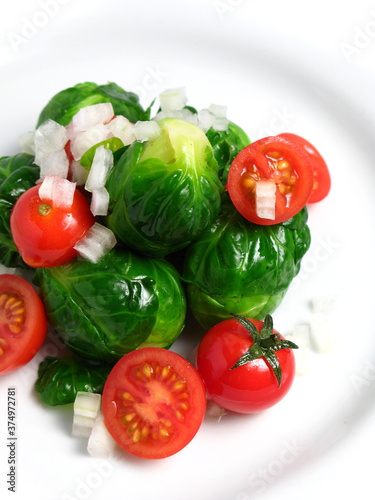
{"x":87,"y":404}
{"x":323,"y":336}
{"x":265,"y":199}
{"x":59,"y":191}
{"x":100,"y":168}
{"x":183,"y":114}
{"x":27,"y":143}
{"x":85,"y":140}
{"x":97,"y":241}
{"x":173,"y":99}
{"x":82,"y":426}
{"x":205,"y":119}
{"x":92,"y":115}
{"x":122,"y":128}
{"x":220,"y":124}
{"x":50,"y":137}
{"x":301,"y":336}
{"x":213,"y":411}
{"x":55,"y":164}
{"x":146,"y":130}
{"x":79,"y":173}
{"x":99,"y":201}
{"x":324,"y":303}
{"x":101,"y":444}
{"x":218,"y":110}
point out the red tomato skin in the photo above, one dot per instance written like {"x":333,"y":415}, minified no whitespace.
{"x":21,"y":347}
{"x":48,"y":240}
{"x":249,"y":388}
{"x":254,"y":154}
{"x":322,"y":176}
{"x":121,"y":379}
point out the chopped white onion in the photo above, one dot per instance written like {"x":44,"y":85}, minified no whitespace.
{"x":205,"y":119}
{"x":55,"y":164}
{"x":87,"y":404}
{"x":324,"y":303}
{"x":99,"y":201}
{"x":173,"y":99}
{"x":27,"y":143}
{"x":50,"y":137}
{"x":218,"y":110}
{"x":146,"y":130}
{"x":59,"y":191}
{"x":97,"y":241}
{"x":90,"y":116}
{"x":265,"y":199}
{"x":79,"y":173}
{"x":82,"y":426}
{"x":85,"y":140}
{"x":301,"y":336}
{"x":100,"y":168}
{"x":122,"y":128}
{"x":183,"y":114}
{"x":323,"y":335}
{"x":220,"y":124}
{"x":213,"y":411}
{"x":100,"y":444}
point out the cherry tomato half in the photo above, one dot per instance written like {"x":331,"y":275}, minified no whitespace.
{"x":322,"y":178}
{"x":153,"y":402}
{"x":23,"y":323}
{"x":272,"y":158}
{"x":249,"y":388}
{"x":44,"y":234}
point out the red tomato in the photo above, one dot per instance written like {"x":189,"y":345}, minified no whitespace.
{"x":153,"y":402}
{"x":272,"y":158}
{"x":23,"y":323}
{"x":322,"y":178}
{"x":45,"y":235}
{"x":249,"y":388}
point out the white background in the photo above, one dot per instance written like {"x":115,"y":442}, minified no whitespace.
{"x":278,"y":66}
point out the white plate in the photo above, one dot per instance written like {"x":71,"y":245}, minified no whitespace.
{"x":314,"y":442}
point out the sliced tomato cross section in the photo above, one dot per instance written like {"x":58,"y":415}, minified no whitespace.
{"x":23,"y":323}
{"x":153,"y":403}
{"x":274,"y":159}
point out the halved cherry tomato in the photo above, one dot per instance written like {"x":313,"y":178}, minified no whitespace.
{"x":322,"y":178}
{"x":252,"y":386}
{"x":272,"y":158}
{"x":153,"y":402}
{"x":44,"y":234}
{"x":23,"y":323}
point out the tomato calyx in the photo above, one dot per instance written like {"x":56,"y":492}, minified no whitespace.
{"x":266,"y":343}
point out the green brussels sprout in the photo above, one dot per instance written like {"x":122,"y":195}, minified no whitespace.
{"x":239,"y":267}
{"x":65,"y":104}
{"x":17,"y":174}
{"x":164,"y":192}
{"x":125,"y":301}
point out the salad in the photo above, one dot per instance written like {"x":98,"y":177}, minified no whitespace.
{"x":125,"y":220}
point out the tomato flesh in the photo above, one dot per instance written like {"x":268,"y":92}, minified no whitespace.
{"x":278,"y":160}
{"x":23,"y":323}
{"x":153,"y":402}
{"x":45,"y":235}
{"x":249,"y":388}
{"x":322,"y":178}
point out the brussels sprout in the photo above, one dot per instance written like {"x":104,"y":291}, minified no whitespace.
{"x":17,"y":174}
{"x":102,"y":311}
{"x":239,"y":267}
{"x":59,"y":379}
{"x":226,"y":145}
{"x":166,"y":191}
{"x":64,"y":105}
